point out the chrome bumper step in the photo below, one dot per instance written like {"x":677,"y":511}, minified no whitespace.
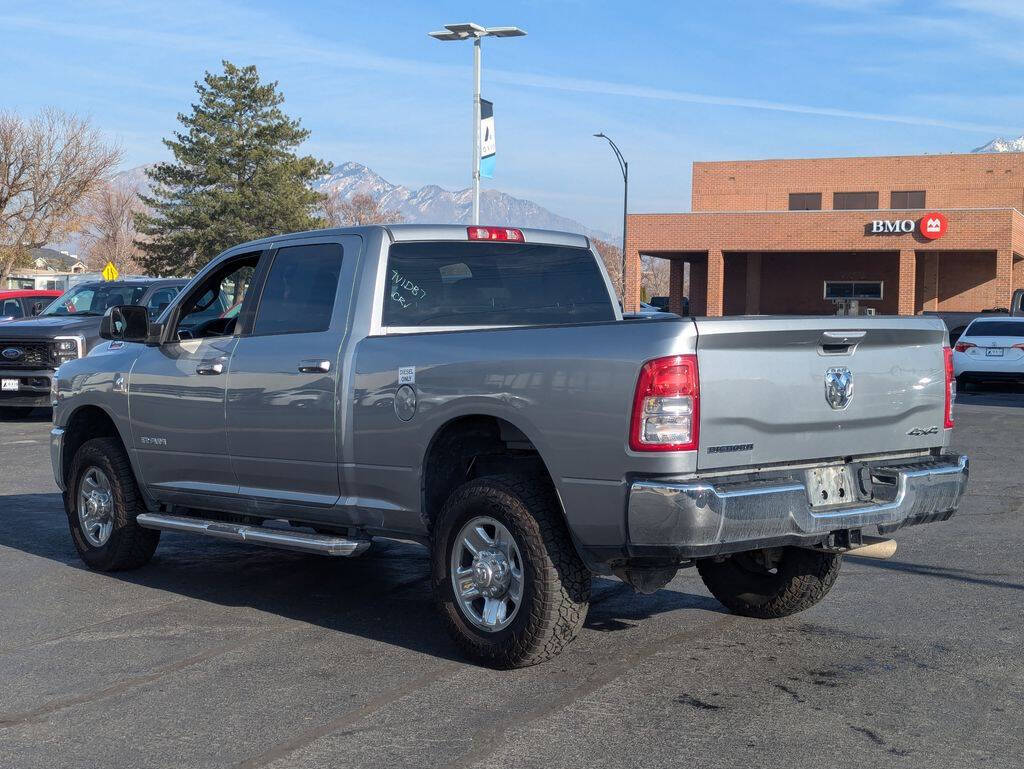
{"x":324,"y":544}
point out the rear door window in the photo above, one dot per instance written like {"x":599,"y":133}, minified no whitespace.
{"x":299,"y":293}
{"x":438,"y":284}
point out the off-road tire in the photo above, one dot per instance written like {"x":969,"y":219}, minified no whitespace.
{"x":803,"y":578}
{"x":556,"y":591}
{"x":130,"y":545}
{"x":15,"y":412}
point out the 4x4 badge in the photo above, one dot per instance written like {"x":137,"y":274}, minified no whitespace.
{"x":838,"y":387}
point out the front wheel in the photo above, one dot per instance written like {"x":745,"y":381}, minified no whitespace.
{"x":507,"y":579}
{"x":102,"y":501}
{"x":771,"y":583}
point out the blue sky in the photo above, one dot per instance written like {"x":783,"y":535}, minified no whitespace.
{"x":671,"y":82}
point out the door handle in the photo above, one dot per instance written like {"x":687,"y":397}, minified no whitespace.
{"x":210,"y":368}
{"x":314,"y":366}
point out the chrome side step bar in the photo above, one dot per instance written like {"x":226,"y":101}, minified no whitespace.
{"x":324,"y":544}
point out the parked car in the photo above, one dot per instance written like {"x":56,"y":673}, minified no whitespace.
{"x":661,"y":304}
{"x":990,"y":350}
{"x":957,"y":322}
{"x":31,"y":348}
{"x":24,"y":303}
{"x":475,"y":390}
{"x":648,"y":312}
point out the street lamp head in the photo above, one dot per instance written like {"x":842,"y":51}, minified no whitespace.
{"x":505,"y":32}
{"x":600,"y":136}
{"x":470,"y":31}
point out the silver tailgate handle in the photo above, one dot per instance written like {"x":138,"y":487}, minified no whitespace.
{"x":314,"y":366}
{"x":210,"y":367}
{"x":840,"y":342}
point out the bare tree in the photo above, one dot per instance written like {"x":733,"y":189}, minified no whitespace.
{"x":655,"y":278}
{"x":48,"y":166}
{"x":611,"y":255}
{"x":360,"y":209}
{"x":109,"y":226}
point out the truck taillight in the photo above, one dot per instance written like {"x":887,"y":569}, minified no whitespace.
{"x":495,"y":233}
{"x":666,"y":406}
{"x":947,"y":355}
{"x":964,"y":346}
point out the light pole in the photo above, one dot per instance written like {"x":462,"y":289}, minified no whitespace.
{"x":475,"y":33}
{"x":624,"y":167}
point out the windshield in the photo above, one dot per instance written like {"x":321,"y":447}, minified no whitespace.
{"x":94,"y":300}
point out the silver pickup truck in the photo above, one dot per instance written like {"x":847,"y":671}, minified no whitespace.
{"x":477,"y":390}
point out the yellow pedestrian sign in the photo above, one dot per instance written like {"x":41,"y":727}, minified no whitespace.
{"x":110,"y":272}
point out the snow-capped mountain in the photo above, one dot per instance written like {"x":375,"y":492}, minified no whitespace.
{"x":436,"y":205}
{"x":1001,"y":144}
{"x":430,"y":204}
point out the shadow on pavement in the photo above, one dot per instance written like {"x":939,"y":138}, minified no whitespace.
{"x":942,"y":572}
{"x":992,"y":394}
{"x":34,"y":417}
{"x":383,"y":595}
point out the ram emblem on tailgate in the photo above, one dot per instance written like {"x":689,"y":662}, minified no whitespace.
{"x":838,"y":387}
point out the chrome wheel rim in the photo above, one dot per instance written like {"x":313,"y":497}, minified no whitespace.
{"x":95,"y":507}
{"x":487,"y":574}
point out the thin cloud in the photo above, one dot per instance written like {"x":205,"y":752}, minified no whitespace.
{"x":292,"y":48}
{"x":660,"y":94}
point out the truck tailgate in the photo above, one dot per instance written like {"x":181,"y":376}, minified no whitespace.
{"x":763,"y":388}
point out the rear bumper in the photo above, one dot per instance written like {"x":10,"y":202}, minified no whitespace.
{"x":700,"y":518}
{"x":990,"y":376}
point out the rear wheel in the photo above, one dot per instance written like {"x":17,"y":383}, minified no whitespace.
{"x":771,"y":583}
{"x":507,"y":579}
{"x":15,"y":412}
{"x":102,"y":501}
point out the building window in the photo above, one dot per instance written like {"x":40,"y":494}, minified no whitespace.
{"x":847,"y":201}
{"x":805,"y":201}
{"x":853,"y":289}
{"x":911,"y":199}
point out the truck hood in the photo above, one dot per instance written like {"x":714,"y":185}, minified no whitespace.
{"x":50,"y":326}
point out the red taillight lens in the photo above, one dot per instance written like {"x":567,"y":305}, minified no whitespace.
{"x":666,"y":407}
{"x":964,"y":346}
{"x":947,"y":355}
{"x":495,"y":233}
{"x":1019,"y":346}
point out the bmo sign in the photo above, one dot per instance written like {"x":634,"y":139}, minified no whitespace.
{"x":930,"y":226}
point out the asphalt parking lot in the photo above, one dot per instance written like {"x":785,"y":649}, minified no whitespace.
{"x":224,"y":655}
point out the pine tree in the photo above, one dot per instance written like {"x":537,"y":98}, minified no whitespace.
{"x":236,"y":176}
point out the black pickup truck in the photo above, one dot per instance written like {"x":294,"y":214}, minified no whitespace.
{"x":956,"y":322}
{"x":31,"y":348}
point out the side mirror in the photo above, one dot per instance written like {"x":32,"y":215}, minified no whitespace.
{"x":125,"y":323}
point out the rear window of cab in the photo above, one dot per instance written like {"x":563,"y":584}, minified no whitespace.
{"x":438,"y":284}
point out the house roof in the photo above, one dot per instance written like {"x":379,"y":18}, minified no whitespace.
{"x":55,"y":260}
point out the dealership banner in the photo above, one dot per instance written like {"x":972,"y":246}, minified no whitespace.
{"x":487,"y":145}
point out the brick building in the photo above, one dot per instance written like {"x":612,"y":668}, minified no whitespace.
{"x":902,"y":234}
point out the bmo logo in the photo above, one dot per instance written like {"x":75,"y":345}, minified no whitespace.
{"x":933,"y":226}
{"x":930,"y":226}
